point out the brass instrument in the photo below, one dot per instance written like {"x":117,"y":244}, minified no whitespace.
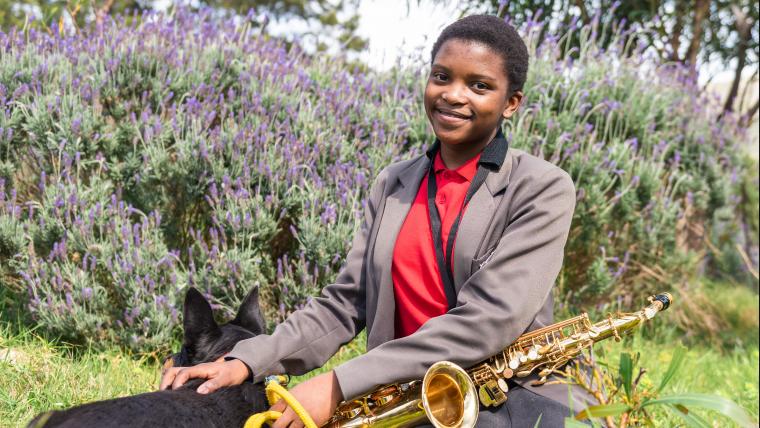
{"x":445,"y":396}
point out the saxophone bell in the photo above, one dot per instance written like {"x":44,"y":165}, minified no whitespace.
{"x":449,"y":397}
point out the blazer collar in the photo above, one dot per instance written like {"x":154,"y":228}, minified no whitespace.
{"x":493,"y":157}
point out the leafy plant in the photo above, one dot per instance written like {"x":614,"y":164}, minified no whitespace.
{"x":626,"y":401}
{"x":139,"y":157}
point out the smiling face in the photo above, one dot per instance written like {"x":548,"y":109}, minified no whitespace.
{"x":466,"y":95}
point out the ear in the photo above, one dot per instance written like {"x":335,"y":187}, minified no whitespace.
{"x":199,"y":321}
{"x":513,"y":103}
{"x":249,"y":315}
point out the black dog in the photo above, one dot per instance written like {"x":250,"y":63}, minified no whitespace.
{"x":204,"y":341}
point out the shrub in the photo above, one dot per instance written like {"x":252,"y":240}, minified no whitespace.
{"x":183,"y":149}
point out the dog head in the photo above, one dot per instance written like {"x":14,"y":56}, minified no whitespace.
{"x":205,"y":340}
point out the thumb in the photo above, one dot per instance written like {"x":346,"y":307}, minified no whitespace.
{"x":208,"y":387}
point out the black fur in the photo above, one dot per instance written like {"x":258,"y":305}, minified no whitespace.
{"x":204,"y":341}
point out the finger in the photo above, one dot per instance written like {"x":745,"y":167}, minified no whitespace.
{"x":209,"y":386}
{"x":279,"y":406}
{"x":168,"y":377}
{"x":284,"y":421}
{"x":188,"y":373}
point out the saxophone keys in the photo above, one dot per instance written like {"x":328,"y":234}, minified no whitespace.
{"x":514,"y":363}
{"x":522,"y":357}
{"x":533,"y":353}
{"x":508,"y":373}
{"x":499,"y":364}
{"x":503,"y":384}
{"x":545,"y":372}
{"x":539,"y":382}
{"x":524,"y":373}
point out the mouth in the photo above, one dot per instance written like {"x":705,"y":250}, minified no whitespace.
{"x":450,"y":117}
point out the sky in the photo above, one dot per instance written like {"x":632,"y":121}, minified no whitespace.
{"x":403,"y":31}
{"x":393,"y":34}
{"x":395,"y":28}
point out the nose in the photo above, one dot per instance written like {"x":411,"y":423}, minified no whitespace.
{"x":454,"y":95}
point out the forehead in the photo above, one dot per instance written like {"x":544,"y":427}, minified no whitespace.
{"x":470,"y":57}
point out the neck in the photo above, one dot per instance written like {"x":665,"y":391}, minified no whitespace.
{"x":456,"y":155}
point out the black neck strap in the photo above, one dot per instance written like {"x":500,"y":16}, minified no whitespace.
{"x":491,"y":159}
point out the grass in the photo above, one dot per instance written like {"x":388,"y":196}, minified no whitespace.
{"x":39,"y":375}
{"x":731,"y":373}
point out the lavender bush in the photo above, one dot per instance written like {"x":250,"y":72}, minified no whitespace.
{"x":652,"y":165}
{"x":137,"y":160}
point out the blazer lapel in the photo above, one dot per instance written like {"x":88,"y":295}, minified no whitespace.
{"x":471,"y":233}
{"x":477,"y":219}
{"x":397,"y":206}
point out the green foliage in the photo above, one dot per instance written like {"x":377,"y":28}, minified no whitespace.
{"x":715,"y":313}
{"x":634,"y":408}
{"x":40,"y":375}
{"x":122,"y":188}
{"x":189,"y":150}
{"x":650,"y":167}
{"x":674,"y":30}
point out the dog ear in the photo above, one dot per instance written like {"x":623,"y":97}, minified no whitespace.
{"x":199,"y":321}
{"x":249,"y":314}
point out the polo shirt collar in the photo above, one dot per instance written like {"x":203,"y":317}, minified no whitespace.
{"x":492,"y":156}
{"x":466,"y":170}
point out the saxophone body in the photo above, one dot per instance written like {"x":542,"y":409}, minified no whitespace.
{"x":448,"y":396}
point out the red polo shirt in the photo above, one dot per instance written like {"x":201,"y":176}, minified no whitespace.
{"x":416,"y":281}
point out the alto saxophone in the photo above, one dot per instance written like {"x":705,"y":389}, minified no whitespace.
{"x":448,"y":396}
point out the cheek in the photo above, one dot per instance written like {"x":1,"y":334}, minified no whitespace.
{"x":428,"y":96}
{"x":492,"y":108}
{"x":428,"y":99}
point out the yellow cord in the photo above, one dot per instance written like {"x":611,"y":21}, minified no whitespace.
{"x":276,"y":391}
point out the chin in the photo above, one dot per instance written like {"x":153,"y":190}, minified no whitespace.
{"x":454,"y":138}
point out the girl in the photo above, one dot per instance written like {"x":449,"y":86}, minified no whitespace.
{"x":456,"y":256}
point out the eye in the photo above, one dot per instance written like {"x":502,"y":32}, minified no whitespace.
{"x":480,"y":86}
{"x":437,"y":75}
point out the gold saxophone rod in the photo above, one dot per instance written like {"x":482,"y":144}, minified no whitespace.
{"x":448,"y":395}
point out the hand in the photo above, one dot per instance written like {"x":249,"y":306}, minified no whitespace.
{"x":218,"y":373}
{"x":319,"y":395}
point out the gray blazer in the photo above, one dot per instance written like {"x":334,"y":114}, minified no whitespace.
{"x":509,"y":250}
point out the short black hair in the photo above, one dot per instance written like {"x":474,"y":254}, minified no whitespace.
{"x":499,"y":36}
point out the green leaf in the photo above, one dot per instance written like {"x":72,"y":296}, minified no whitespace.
{"x":675,"y":363}
{"x":538,"y":421}
{"x":602,"y":410}
{"x":691,"y":418}
{"x":626,"y":373}
{"x":717,"y":403}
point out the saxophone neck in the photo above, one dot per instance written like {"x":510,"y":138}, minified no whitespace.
{"x":658,"y":303}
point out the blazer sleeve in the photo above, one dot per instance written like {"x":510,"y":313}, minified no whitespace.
{"x":495,"y":305}
{"x":311,"y":335}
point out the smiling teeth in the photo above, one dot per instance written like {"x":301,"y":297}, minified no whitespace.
{"x":458,"y":116}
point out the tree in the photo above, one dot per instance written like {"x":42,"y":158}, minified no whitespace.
{"x":329,"y":22}
{"x":322,"y":16}
{"x":687,"y":32}
{"x":51,"y":12}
